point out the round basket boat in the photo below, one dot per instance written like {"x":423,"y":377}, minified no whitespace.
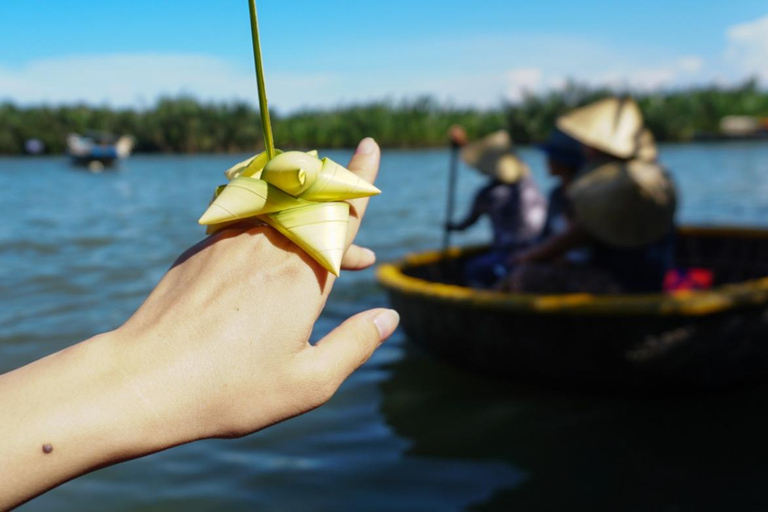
{"x":688,"y":339}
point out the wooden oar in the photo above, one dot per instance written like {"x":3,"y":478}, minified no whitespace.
{"x":448,"y":268}
{"x":452,"y":178}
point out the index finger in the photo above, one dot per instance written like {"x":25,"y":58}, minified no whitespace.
{"x":365,"y":164}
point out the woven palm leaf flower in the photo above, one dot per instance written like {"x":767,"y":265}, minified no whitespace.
{"x":300,"y":195}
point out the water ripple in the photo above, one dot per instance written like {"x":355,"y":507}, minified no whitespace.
{"x":81,"y":261}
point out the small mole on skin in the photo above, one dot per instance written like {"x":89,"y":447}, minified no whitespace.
{"x":47,"y":448}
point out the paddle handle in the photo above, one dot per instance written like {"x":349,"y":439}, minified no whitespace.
{"x":453,"y":174}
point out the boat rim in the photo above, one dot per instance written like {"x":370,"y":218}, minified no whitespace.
{"x":682,"y":303}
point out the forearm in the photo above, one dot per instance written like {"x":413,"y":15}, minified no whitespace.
{"x":469,"y":221}
{"x":460,"y":226}
{"x":556,"y":246}
{"x":546,"y":251}
{"x":67,"y":414}
{"x":219,"y":349}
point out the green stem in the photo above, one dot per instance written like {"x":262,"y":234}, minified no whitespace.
{"x":266,"y":126}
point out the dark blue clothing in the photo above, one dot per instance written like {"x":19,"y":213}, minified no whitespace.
{"x":558,"y":221}
{"x":639,"y":270}
{"x":487,"y":269}
{"x":563,"y":149}
{"x":558,"y":212}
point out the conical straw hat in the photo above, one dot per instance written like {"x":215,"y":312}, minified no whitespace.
{"x":320,"y":229}
{"x":612,"y":125}
{"x":492,"y":156}
{"x":625,"y":204}
{"x":647,"y":150}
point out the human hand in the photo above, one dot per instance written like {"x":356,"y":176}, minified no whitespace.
{"x":220,"y":348}
{"x":457,"y":135}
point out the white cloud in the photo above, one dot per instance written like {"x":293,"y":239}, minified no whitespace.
{"x":680,"y":72}
{"x":748,"y":47}
{"x":478,"y":89}
{"x":690,"y":63}
{"x":637,"y":79}
{"x":131,"y":79}
{"x":522,"y":81}
{"x":482,"y":71}
{"x":139,"y":79}
{"x":556,"y":82}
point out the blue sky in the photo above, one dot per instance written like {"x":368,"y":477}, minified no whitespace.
{"x":324,"y":53}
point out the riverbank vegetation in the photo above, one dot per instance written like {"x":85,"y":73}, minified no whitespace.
{"x":186,"y":125}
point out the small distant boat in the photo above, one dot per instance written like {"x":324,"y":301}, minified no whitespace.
{"x":736,"y":128}
{"x":744,"y":127}
{"x":34,"y":147}
{"x":672,"y":341}
{"x":97,"y":151}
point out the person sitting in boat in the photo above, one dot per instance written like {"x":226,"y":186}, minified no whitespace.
{"x":510,"y":199}
{"x":564,"y":160}
{"x":622,"y":206}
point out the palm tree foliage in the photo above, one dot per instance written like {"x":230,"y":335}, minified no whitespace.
{"x":186,"y":125}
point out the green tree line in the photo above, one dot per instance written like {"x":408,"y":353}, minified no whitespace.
{"x":186,"y":125}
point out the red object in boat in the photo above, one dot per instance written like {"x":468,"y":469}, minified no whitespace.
{"x":680,"y":279}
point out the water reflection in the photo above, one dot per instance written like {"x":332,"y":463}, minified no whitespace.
{"x":405,"y":432}
{"x":581,"y":452}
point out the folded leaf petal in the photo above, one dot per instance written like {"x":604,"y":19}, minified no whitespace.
{"x":293,"y":171}
{"x":250,"y":168}
{"x":320,"y":229}
{"x":247,"y":197}
{"x":297,"y":194}
{"x":336,"y":183}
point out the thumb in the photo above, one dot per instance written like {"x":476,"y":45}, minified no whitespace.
{"x":350,"y":345}
{"x":358,"y":258}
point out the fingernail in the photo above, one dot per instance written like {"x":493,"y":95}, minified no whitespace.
{"x":369,"y":253}
{"x":386,"y":322}
{"x":366,"y":146}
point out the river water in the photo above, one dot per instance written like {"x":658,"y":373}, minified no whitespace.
{"x":79,"y":253}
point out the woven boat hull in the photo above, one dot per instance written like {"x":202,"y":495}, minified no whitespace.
{"x":692,"y":340}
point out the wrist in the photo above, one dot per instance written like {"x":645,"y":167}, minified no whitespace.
{"x":68,"y":414}
{"x":163,"y":416}
{"x":116,"y":409}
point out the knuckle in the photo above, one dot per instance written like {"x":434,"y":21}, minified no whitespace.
{"x":322,"y":389}
{"x":327,"y":389}
{"x":320,"y":380}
